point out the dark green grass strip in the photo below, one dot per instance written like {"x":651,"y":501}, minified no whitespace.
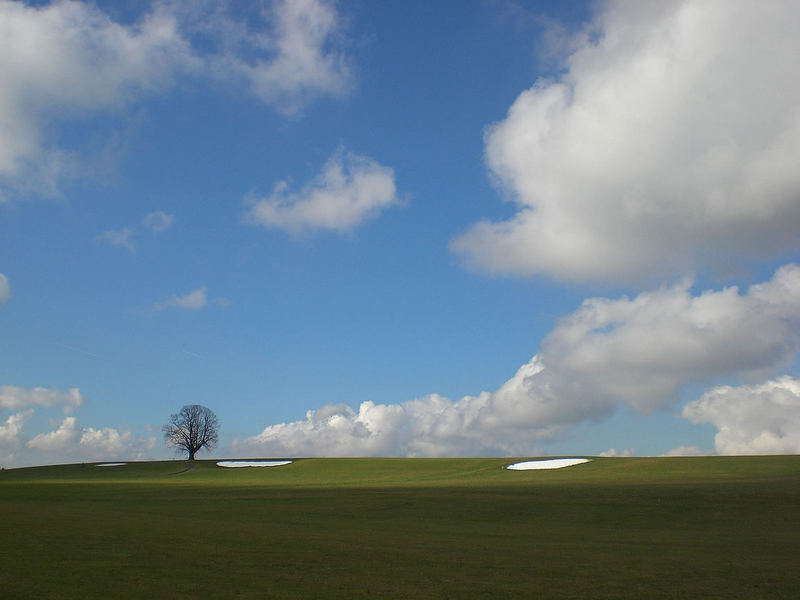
{"x":396,"y":528}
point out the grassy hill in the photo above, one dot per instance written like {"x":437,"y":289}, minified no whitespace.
{"x":711,"y":527}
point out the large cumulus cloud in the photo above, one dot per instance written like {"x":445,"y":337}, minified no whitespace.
{"x":69,"y":441}
{"x":760,"y":418}
{"x":668,"y":145}
{"x":644,"y":349}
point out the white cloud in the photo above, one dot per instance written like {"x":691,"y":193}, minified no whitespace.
{"x":669,"y":145}
{"x":67,"y":441}
{"x":25,"y":402}
{"x":15,"y":398}
{"x":57,"y":441}
{"x":687,"y":451}
{"x":121,"y":238}
{"x":517,"y":419}
{"x":71,"y":442}
{"x":194,"y":300}
{"x":349,"y":190}
{"x":641,"y":352}
{"x":614,"y":453}
{"x":158,"y":221}
{"x":429,"y":426}
{"x":752,"y":419}
{"x":5,"y":290}
{"x":70,"y":60}
{"x":11,"y":432}
{"x":110,"y":443}
{"x":298,"y":60}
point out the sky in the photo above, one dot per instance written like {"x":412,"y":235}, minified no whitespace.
{"x":472,"y":228}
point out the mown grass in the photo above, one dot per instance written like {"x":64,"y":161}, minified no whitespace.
{"x":404,"y":528}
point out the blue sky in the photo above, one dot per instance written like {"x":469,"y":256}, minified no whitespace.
{"x":360,"y":228}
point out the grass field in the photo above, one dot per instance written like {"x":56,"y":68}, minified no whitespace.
{"x":711,"y":527}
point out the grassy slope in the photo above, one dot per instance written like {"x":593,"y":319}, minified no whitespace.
{"x":404,"y":528}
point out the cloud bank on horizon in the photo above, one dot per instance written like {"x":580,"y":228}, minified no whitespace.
{"x":665,"y":149}
{"x":68,"y":440}
{"x":641,"y":352}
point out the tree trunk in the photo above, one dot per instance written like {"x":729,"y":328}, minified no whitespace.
{"x":191,"y":453}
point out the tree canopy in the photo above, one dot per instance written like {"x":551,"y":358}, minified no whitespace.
{"x":193,"y":427}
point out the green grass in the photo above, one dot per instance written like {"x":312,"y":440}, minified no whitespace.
{"x":717,"y":527}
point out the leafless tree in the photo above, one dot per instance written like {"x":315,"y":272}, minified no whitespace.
{"x":192,"y":428}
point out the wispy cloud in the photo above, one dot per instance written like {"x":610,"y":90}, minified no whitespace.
{"x":688,"y":451}
{"x":296,"y":58}
{"x":158,"y":221}
{"x":120,"y":238}
{"x":16,"y":398}
{"x":78,"y":350}
{"x":349,"y":190}
{"x":5,"y":289}
{"x":71,"y":59}
{"x":194,"y":300}
{"x":614,"y":452}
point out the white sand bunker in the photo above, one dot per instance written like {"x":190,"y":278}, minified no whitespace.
{"x":552,"y":463}
{"x":111,"y":464}
{"x":253,"y":463}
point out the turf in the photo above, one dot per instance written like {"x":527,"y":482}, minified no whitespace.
{"x":711,"y":527}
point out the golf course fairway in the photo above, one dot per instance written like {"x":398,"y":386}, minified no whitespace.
{"x":705,"y":527}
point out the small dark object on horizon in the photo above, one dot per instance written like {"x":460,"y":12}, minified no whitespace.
{"x":192,"y":428}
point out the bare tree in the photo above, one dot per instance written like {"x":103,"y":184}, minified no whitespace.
{"x":192,"y":428}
